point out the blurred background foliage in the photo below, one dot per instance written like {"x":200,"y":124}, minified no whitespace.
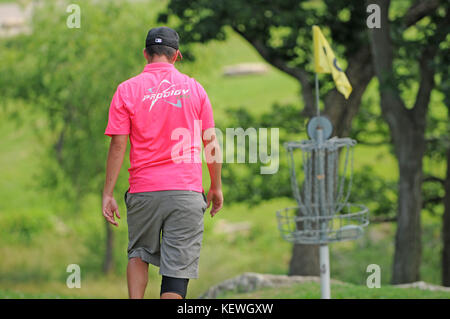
{"x":56,"y":85}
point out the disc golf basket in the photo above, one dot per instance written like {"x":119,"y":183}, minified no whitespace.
{"x":323,"y":213}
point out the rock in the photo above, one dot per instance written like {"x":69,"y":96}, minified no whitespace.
{"x":245,"y":68}
{"x":225,"y":227}
{"x":249,"y":281}
{"x":252,"y":281}
{"x":13,"y":19}
{"x":13,"y":22}
{"x":423,"y":286}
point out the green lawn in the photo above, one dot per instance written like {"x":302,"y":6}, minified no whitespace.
{"x":338,"y":291}
{"x":297,"y":291}
{"x":21,"y":295}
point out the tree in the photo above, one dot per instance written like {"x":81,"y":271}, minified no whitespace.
{"x":281,"y":32}
{"x":70,"y":75}
{"x":389,"y":45}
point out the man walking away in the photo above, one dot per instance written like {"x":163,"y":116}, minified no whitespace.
{"x":166,"y":115}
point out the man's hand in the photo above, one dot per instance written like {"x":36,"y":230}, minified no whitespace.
{"x":109,"y":208}
{"x":216,"y":197}
{"x":213,"y":156}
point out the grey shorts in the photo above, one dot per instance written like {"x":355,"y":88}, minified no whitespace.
{"x":165,"y":228}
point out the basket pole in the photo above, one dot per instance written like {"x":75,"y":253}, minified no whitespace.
{"x":324,"y":272}
{"x":324,"y":254}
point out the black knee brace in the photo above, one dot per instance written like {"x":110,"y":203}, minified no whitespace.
{"x":175,"y":285}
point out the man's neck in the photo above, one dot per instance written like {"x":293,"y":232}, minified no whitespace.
{"x":159,"y":60}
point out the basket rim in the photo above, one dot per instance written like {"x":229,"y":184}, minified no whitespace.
{"x":364,"y":210}
{"x":322,"y":236}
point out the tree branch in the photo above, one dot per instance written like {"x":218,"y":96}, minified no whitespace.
{"x":394,"y":109}
{"x":433,"y":179}
{"x":419,"y":10}
{"x":432,"y":200}
{"x":382,"y":219}
{"x":367,"y":143}
{"x":427,"y":72}
{"x":426,"y":83}
{"x":297,"y":73}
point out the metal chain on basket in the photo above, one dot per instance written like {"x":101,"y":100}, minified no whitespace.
{"x":309,"y":224}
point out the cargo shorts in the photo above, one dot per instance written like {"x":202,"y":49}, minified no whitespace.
{"x":165,"y":229}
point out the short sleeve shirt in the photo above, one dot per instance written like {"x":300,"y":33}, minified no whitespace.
{"x":164,"y":112}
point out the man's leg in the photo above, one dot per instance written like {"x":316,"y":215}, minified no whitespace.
{"x":170,"y":295}
{"x":137,"y":277}
{"x":173,"y":288}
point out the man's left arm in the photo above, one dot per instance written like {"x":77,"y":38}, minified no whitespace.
{"x":114,"y":162}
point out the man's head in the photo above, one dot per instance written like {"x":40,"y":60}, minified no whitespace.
{"x":161,"y":45}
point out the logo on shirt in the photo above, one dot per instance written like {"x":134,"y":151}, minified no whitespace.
{"x":157,"y":93}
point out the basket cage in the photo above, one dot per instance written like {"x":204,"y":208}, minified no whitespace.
{"x":323,"y":213}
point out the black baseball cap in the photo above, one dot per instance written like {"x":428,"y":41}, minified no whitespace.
{"x":162,"y":36}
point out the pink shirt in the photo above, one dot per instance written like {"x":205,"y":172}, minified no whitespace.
{"x":160,"y":109}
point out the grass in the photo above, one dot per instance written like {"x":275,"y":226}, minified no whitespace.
{"x":21,"y":295}
{"x":308,"y":290}
{"x":311,"y":290}
{"x":40,"y":235}
{"x":38,"y":267}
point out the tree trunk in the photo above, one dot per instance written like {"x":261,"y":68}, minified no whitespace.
{"x":407,"y":128}
{"x":108,"y":263}
{"x":446,"y":229}
{"x":410,"y":147}
{"x":304,"y":261}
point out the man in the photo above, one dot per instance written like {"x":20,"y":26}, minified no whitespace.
{"x":165,"y":114}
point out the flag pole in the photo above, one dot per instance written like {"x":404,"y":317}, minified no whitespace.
{"x":324,"y":254}
{"x":317,"y":94}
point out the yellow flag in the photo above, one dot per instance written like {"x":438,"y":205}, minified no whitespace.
{"x":325,"y":62}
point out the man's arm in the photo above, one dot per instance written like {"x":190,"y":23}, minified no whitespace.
{"x":114,"y":162}
{"x":214,"y":161}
